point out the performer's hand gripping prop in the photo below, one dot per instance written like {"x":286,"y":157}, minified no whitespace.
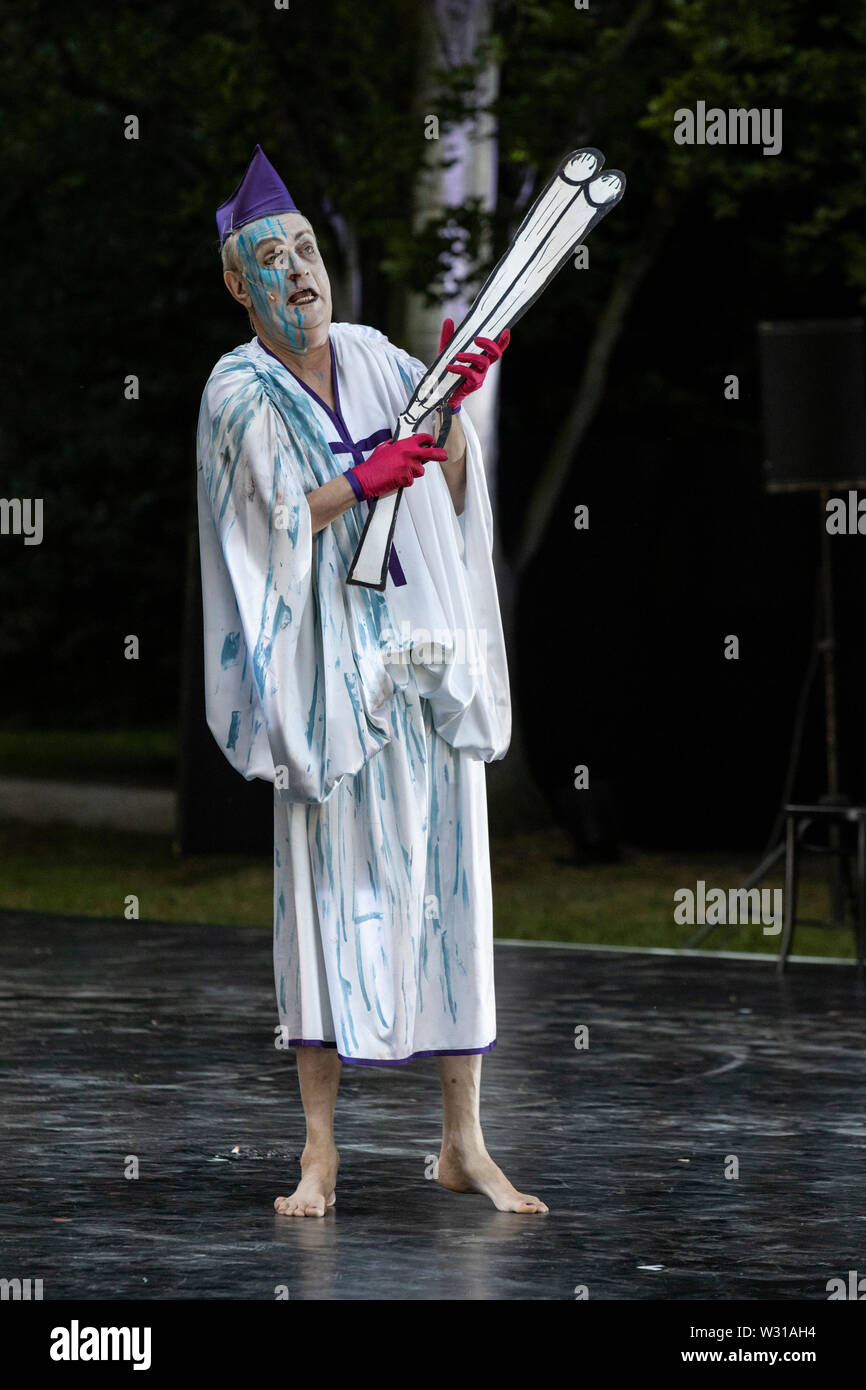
{"x":576,"y":198}
{"x":396,"y":463}
{"x":471,"y":366}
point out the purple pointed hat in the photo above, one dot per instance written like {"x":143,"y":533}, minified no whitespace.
{"x":260,"y":193}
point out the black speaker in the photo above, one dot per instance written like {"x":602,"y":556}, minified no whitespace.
{"x":813,"y":383}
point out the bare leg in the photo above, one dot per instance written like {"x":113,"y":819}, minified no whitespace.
{"x":319,"y":1076}
{"x":464,"y":1163}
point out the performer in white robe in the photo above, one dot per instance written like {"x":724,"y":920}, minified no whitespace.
{"x":371,"y":713}
{"x":378,"y":706}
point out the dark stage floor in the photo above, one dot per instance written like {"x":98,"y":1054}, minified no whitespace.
{"x":157,"y":1041}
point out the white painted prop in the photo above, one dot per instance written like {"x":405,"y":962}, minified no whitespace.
{"x":562,"y":215}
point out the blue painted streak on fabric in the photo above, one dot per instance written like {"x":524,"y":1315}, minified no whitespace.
{"x":231,"y":650}
{"x":446,"y":974}
{"x":248,"y":402}
{"x":264,"y":644}
{"x":325,"y":857}
{"x":359,"y":965}
{"x":457,"y":853}
{"x":352,"y":688}
{"x":382,"y":1019}
{"x":312,"y":717}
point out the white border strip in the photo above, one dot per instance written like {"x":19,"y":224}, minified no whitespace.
{"x":672,"y":951}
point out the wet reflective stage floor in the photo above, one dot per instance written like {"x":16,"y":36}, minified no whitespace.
{"x":155,"y":1044}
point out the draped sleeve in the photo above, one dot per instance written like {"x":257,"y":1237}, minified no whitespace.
{"x":286,"y":698}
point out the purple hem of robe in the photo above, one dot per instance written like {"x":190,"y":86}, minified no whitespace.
{"x":398,"y":1062}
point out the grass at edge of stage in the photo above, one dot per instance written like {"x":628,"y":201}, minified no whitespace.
{"x":131,"y":757}
{"x":540,"y":894}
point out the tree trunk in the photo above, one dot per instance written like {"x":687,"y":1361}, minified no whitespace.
{"x":553,"y":476}
{"x":469,"y":150}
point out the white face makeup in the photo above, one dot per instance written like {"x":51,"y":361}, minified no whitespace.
{"x":287,"y":282}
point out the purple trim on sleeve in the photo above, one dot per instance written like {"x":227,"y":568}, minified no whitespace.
{"x":355,"y":485}
{"x":400,"y":1061}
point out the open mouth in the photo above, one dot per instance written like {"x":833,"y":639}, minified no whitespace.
{"x":302,"y":297}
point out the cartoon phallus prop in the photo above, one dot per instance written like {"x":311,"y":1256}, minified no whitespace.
{"x":563,"y":214}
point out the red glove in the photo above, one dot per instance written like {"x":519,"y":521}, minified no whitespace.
{"x":474,"y":364}
{"x":394,"y":464}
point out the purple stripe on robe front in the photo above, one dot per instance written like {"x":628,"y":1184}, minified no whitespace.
{"x":345,"y":444}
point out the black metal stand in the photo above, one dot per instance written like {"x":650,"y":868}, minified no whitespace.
{"x":798,"y":821}
{"x":795,"y":821}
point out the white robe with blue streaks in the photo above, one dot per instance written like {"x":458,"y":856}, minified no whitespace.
{"x":372,"y":714}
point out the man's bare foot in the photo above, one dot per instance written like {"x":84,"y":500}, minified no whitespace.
{"x":315,"y":1192}
{"x":475,"y":1171}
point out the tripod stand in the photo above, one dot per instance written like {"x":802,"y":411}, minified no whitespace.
{"x":796,"y":821}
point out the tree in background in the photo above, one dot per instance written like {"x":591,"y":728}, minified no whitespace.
{"x":116,"y":268}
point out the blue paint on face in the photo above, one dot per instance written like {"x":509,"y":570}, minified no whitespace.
{"x":284,"y":266}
